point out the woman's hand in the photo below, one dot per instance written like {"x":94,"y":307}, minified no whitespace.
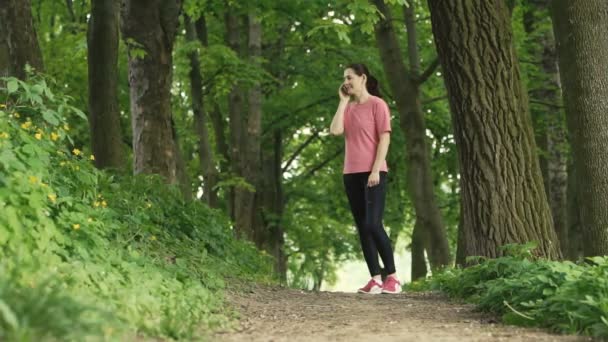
{"x":343,"y":93}
{"x":373,"y":179}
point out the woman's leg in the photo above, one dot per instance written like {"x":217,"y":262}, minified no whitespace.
{"x":375,"y":200}
{"x":355,"y":185}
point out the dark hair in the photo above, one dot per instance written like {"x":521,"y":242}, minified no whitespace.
{"x":372,"y":83}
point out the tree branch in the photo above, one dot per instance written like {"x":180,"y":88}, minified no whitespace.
{"x":428,"y":72}
{"x":299,"y":150}
{"x":322,"y":164}
{"x":286,"y":115}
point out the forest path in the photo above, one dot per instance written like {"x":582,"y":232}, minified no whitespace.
{"x":281,"y":314}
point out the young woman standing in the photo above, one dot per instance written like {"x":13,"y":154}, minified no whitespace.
{"x":365,"y":123}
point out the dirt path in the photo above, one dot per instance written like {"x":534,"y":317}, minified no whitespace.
{"x":281,"y":314}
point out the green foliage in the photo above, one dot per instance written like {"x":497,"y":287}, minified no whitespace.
{"x":562,"y":296}
{"x":78,"y":245}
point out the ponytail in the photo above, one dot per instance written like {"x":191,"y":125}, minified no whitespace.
{"x":372,"y":86}
{"x":372,"y":83}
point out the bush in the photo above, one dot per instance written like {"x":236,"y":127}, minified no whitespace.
{"x":111,"y":254}
{"x":562,"y":296}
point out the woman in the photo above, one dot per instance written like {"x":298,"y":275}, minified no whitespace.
{"x":365,"y":123}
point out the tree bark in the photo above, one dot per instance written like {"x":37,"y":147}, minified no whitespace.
{"x":419,"y":270}
{"x":551,"y":131}
{"x":503,"y":200}
{"x":245,"y":199}
{"x":104,"y":116}
{"x":236,"y":108}
{"x":149,"y":29}
{"x":581,"y":30}
{"x":18,"y":40}
{"x":406,"y":92}
{"x":205,"y":154}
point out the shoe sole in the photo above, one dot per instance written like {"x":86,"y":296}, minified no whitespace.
{"x":370,"y":292}
{"x":392,"y":292}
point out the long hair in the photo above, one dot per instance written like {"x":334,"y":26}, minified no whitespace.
{"x":372,"y":83}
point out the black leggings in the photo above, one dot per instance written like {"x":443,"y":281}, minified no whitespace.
{"x":367,"y":206}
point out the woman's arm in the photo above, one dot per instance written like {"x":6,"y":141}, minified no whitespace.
{"x":337,"y":124}
{"x":381,"y":151}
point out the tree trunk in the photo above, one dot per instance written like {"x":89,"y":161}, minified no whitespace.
{"x":104,"y":116}
{"x":205,"y":154}
{"x":545,"y":108}
{"x":406,"y":92}
{"x":271,"y":203}
{"x":149,"y":29}
{"x":575,"y":234}
{"x":236,"y":109}
{"x":503,"y":200}
{"x":245,"y":199}
{"x":419,"y":269}
{"x":18,"y":40}
{"x":581,"y":31}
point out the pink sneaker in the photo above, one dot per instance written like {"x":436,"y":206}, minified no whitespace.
{"x":391,"y":285}
{"x":372,"y":287}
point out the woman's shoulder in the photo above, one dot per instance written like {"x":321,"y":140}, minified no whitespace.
{"x":379,"y":102}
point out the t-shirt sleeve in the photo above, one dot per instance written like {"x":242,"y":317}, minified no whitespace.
{"x":382,"y":118}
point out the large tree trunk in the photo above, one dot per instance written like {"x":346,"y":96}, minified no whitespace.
{"x":18,"y":41}
{"x":205,"y":154}
{"x":149,"y":29}
{"x":545,"y":108}
{"x":104,"y":116}
{"x":406,"y":91}
{"x":503,"y":200}
{"x":236,"y":117}
{"x":581,"y":31}
{"x":245,"y":199}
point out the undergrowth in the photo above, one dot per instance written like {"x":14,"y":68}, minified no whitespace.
{"x":91,"y":255}
{"x":560,"y":295}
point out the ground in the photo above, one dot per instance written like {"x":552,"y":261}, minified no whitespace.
{"x":282,"y":314}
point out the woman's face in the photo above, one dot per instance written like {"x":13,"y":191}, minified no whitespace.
{"x":353,"y":82}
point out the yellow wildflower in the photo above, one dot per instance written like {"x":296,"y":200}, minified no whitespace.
{"x":4,"y":135}
{"x":96,"y":204}
{"x":92,"y":157}
{"x":38,"y":136}
{"x":16,"y":115}
{"x":66,"y":127}
{"x":104,"y":204}
{"x":52,"y":197}
{"x":76,"y":226}
{"x":76,"y":152}
{"x":33,"y":179}
{"x":2,"y":105}
{"x":54,"y":136}
{"x":26,"y":125}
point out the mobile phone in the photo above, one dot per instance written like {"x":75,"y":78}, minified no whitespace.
{"x":344,"y":90}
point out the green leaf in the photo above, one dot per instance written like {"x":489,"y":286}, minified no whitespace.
{"x":8,"y":315}
{"x":50,"y":117}
{"x":12,"y":86}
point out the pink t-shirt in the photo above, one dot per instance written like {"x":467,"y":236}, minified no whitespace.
{"x":363,"y":124}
